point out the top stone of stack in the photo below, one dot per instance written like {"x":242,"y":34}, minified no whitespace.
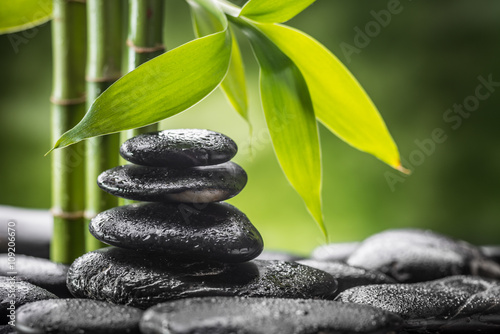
{"x":179,"y":148}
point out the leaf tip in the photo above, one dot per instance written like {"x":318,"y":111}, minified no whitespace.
{"x":403,"y":170}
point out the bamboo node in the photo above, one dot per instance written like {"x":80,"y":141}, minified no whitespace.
{"x":68,"y":102}
{"x":145,"y":49}
{"x":70,"y":215}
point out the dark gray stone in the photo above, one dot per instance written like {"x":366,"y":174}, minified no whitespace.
{"x":492,"y":252}
{"x":279,"y":255}
{"x":179,"y":148}
{"x":411,"y":255}
{"x":334,"y":252}
{"x":208,"y":232}
{"x":77,"y":316}
{"x":348,"y":276}
{"x":127,"y":277}
{"x":7,"y":329}
{"x":229,"y":315}
{"x":191,"y":185}
{"x":19,"y":292}
{"x":41,"y":272}
{"x":464,"y":303}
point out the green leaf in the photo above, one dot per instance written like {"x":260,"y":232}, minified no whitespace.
{"x":340,"y":102}
{"x":160,"y":88}
{"x":23,"y":14}
{"x":234,"y":84}
{"x":274,"y":11}
{"x":290,"y":119}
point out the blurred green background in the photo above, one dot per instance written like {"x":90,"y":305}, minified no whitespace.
{"x":416,"y":67}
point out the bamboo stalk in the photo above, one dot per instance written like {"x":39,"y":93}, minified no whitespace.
{"x":145,"y":41}
{"x":68,"y":107}
{"x":104,"y":22}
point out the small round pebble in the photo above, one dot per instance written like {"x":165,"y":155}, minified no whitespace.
{"x":17,"y":293}
{"x":77,"y":316}
{"x":207,"y":232}
{"x":192,"y":185}
{"x":179,"y":148}
{"x":38,"y":271}
{"x":335,"y":251}
{"x":128,"y":277}
{"x":279,"y":255}
{"x":492,"y":252}
{"x":229,"y":315}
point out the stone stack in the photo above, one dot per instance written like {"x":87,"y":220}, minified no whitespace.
{"x":184,"y":242}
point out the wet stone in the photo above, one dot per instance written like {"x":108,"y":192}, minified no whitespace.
{"x":192,"y":185}
{"x":208,"y":232}
{"x":128,"y":277}
{"x":335,"y":251}
{"x":279,"y":255}
{"x":456,"y":303}
{"x":41,"y":272}
{"x":179,"y":148}
{"x":19,"y":292}
{"x":348,"y":276}
{"x":225,"y":315}
{"x":411,"y":255}
{"x":7,"y":329}
{"x":77,"y":316}
{"x":491,"y":252}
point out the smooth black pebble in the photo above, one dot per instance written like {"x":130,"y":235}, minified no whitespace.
{"x":228,"y":315}
{"x":18,"y":292}
{"x":456,"y":303}
{"x":191,"y":185}
{"x":38,"y":271}
{"x":279,"y":255}
{"x":179,"y":148}
{"x":491,"y":252}
{"x":335,"y":251}
{"x":411,"y":255}
{"x":348,"y":276}
{"x":212,"y":232}
{"x":77,"y":316}
{"x":128,"y":277}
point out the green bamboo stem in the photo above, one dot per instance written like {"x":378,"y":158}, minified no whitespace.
{"x":104,"y":56}
{"x":68,"y":107}
{"x":145,"y":41}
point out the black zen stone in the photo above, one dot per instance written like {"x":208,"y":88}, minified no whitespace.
{"x":279,"y":255}
{"x":348,"y":276}
{"x":7,"y":329}
{"x":229,"y":315}
{"x":456,"y":303}
{"x":18,"y":292}
{"x":191,"y":185}
{"x":411,"y":255}
{"x":128,"y":277}
{"x":203,"y":232}
{"x":491,"y":252}
{"x":335,"y":251}
{"x":41,"y":272}
{"x":77,"y":316}
{"x":179,"y":148}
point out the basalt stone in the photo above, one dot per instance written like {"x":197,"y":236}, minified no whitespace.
{"x":334,"y":252}
{"x":128,"y":277}
{"x":179,"y":148}
{"x":41,"y":272}
{"x":211,"y":232}
{"x":348,"y":276}
{"x":457,"y":303}
{"x":77,"y":316}
{"x":279,"y":255}
{"x":228,"y":315}
{"x":156,"y":184}
{"x":18,"y":292}
{"x":411,"y":255}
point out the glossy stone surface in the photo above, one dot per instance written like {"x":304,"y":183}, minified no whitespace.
{"x":179,"y":148}
{"x":41,"y":272}
{"x":208,"y":232}
{"x":123,"y":276}
{"x":464,"y":303}
{"x":6,"y":329}
{"x":77,"y":316}
{"x":335,"y":251}
{"x":411,"y":255}
{"x":191,"y":185}
{"x":279,"y":255}
{"x":348,"y":276}
{"x":228,"y":315}
{"x":20,"y":292}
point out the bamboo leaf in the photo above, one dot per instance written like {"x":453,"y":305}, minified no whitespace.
{"x":160,"y":88}
{"x":290,"y":118}
{"x":340,"y":102}
{"x":234,"y":84}
{"x":20,"y":15}
{"x":275,"y":11}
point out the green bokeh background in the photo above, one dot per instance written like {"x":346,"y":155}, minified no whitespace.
{"x":427,"y":59}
